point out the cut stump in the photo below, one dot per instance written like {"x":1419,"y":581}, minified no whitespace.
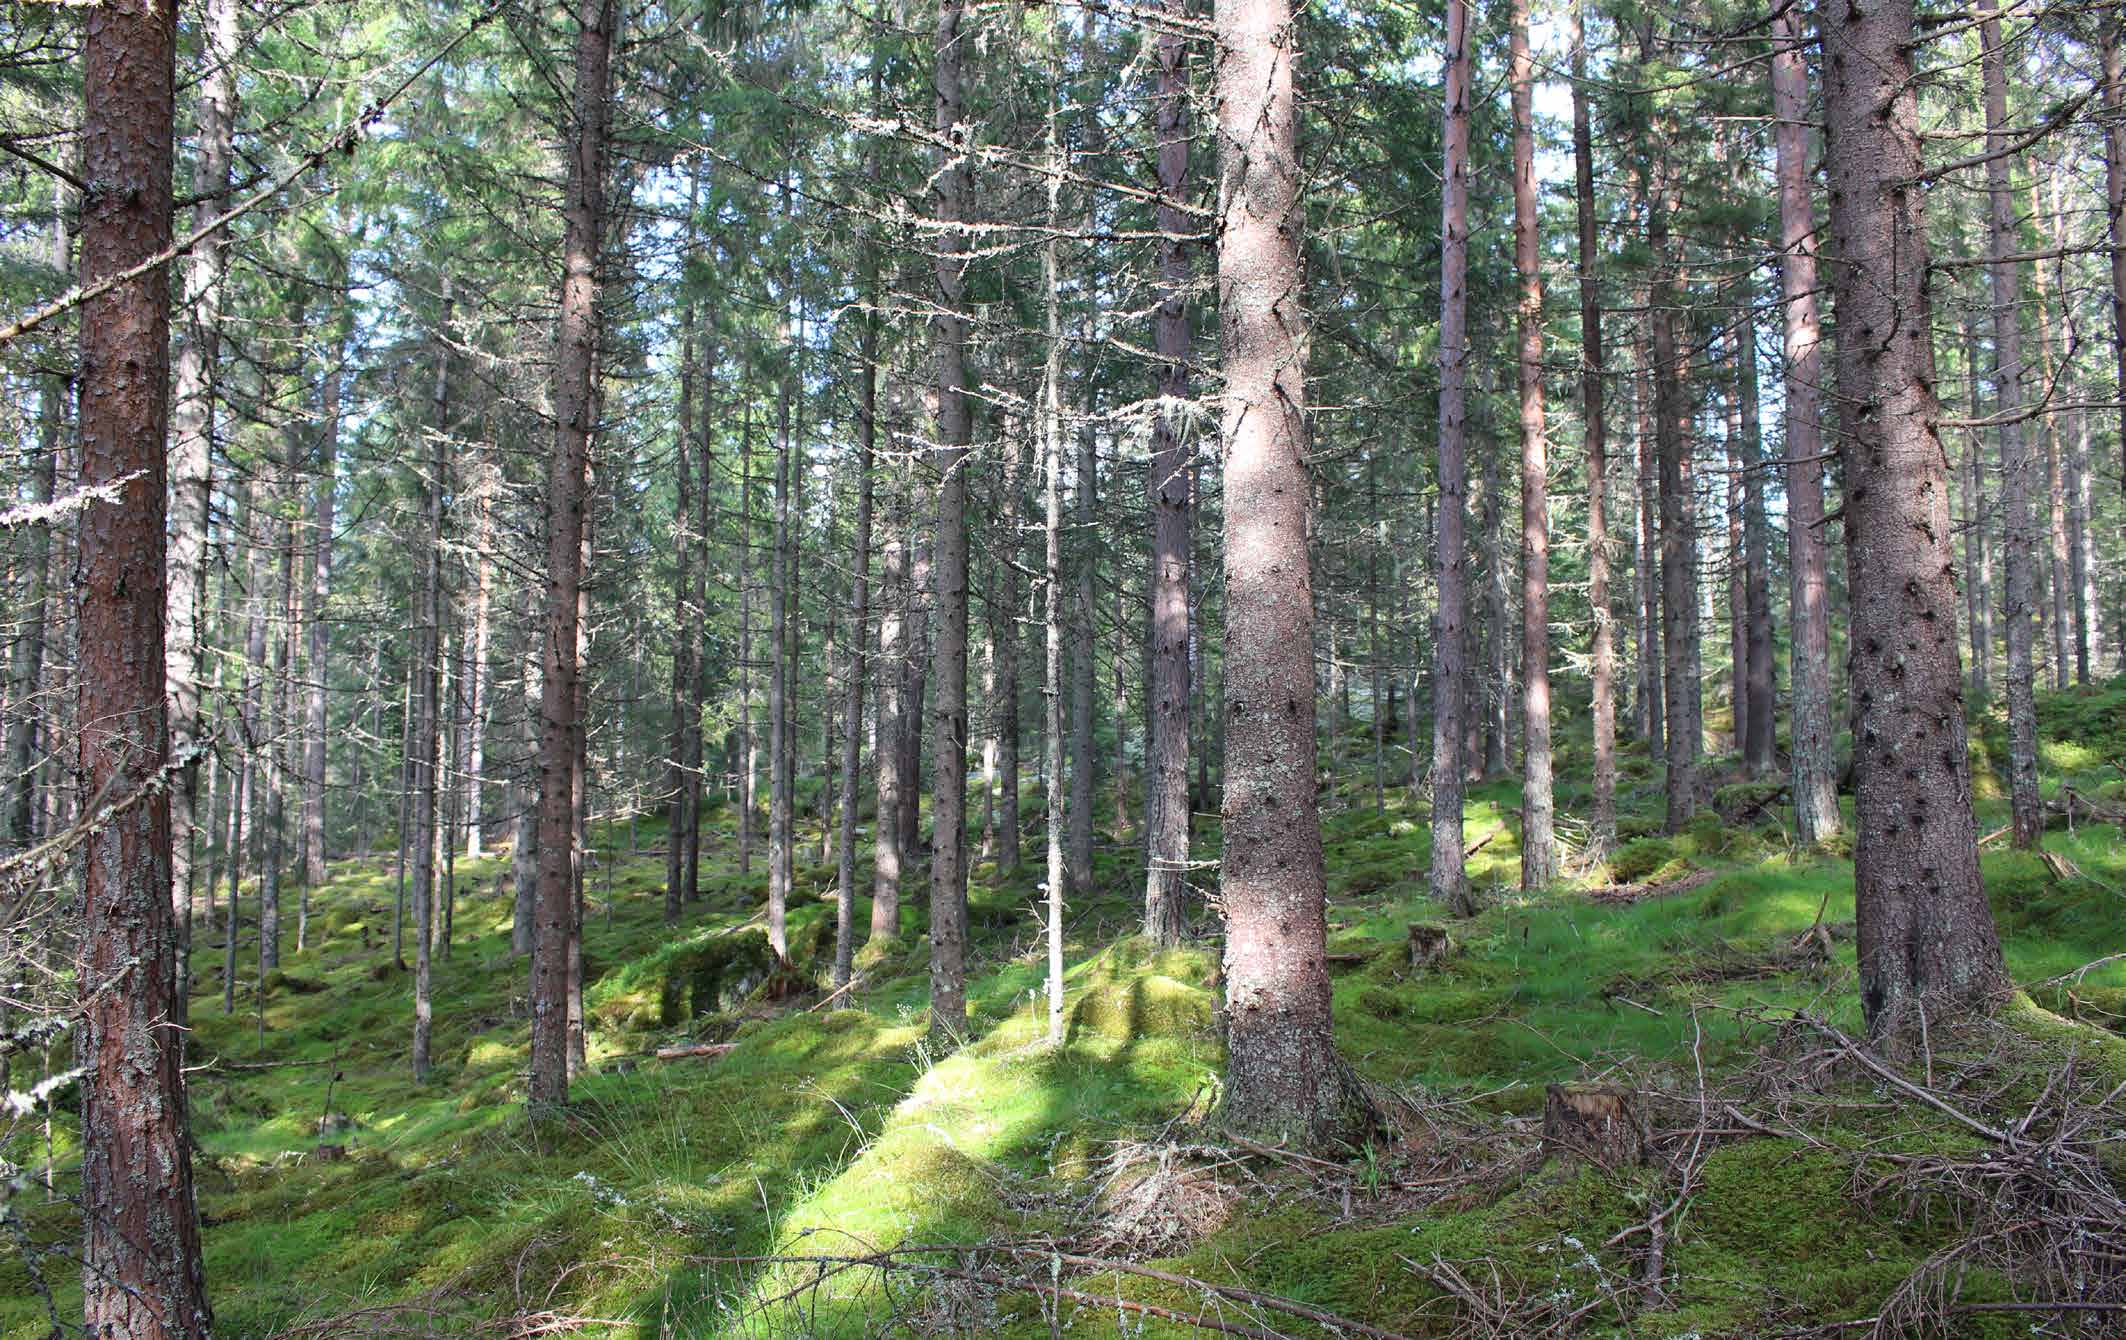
{"x":1601,"y":1123}
{"x":1429,"y":946}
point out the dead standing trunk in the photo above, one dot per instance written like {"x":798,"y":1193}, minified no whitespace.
{"x":1539,"y":843}
{"x":1814,"y":769}
{"x":1283,"y":1075}
{"x":1926,"y":936}
{"x":568,"y":496}
{"x":1448,"y":879}
{"x":141,"y":1272}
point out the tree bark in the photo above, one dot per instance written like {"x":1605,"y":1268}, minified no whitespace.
{"x":1602,"y":823}
{"x":886,"y":736}
{"x":1539,"y":843}
{"x":425,"y":780}
{"x":315,"y":602}
{"x":1978,"y":547}
{"x":859,"y":625}
{"x":684,"y":675}
{"x":2009,"y":371}
{"x":1653,"y":706}
{"x":2113,"y":38}
{"x":1084,"y":666}
{"x":1813,"y":767}
{"x":1757,"y":738}
{"x":568,"y":496}
{"x":141,"y":1272}
{"x":1283,"y":1075}
{"x":1448,"y":878}
{"x":955,"y":430}
{"x":1926,"y":936}
{"x":192,"y":446}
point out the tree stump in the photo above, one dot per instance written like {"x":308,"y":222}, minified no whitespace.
{"x":1597,"y":1122}
{"x":1429,"y":946}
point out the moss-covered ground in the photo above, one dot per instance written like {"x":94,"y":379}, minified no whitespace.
{"x":330,"y":1182}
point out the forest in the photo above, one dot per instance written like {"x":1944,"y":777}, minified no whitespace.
{"x":1389,"y":670}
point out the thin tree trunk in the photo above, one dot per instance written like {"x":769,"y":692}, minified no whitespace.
{"x":427,"y":705}
{"x":1166,"y":760}
{"x":1448,"y":879}
{"x":749,"y":772}
{"x":524,"y":851}
{"x":1496,"y":675}
{"x":886,"y":737}
{"x":476,"y":685}
{"x":1653,"y":695}
{"x":1005,"y":624}
{"x":1539,"y":843}
{"x":2016,"y":465}
{"x":1757,"y":741}
{"x":26,"y":662}
{"x":859,"y":625}
{"x":780,"y":726}
{"x":1057,"y":889}
{"x":1283,"y":1075}
{"x":191,"y":450}
{"x":317,"y":598}
{"x":568,"y":497}
{"x":684,"y":674}
{"x":2114,"y":36}
{"x":1084,"y":666}
{"x":1813,"y":768}
{"x":1602,"y":823}
{"x":955,"y":429}
{"x":1978,"y":549}
{"x":1926,"y":936}
{"x":141,"y":1272}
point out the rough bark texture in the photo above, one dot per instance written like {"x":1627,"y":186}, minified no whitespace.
{"x":1166,"y":802}
{"x":1283,"y":1075}
{"x":1448,"y":878}
{"x":1763,"y":697}
{"x":2009,"y":371}
{"x":1539,"y":843}
{"x":886,"y":828}
{"x":2114,"y":37}
{"x":859,"y":623}
{"x":1926,"y":936}
{"x":141,"y":1273}
{"x":1813,"y":767}
{"x":955,"y":429}
{"x":1602,"y":824}
{"x":192,"y":441}
{"x":568,"y":497}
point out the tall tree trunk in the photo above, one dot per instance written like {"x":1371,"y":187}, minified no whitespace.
{"x":524,"y":850}
{"x":1495,"y":677}
{"x":1603,"y":822}
{"x":1926,"y":936}
{"x":278,"y":719}
{"x":1679,"y":522}
{"x":315,"y":722}
{"x":859,"y":625}
{"x":955,"y":430}
{"x":1757,"y":741}
{"x":886,"y":737}
{"x":2008,"y":373}
{"x":191,"y":449}
{"x":568,"y":497}
{"x":749,"y":752}
{"x":26,"y":658}
{"x":1283,"y":1075}
{"x":684,"y":674}
{"x":427,"y":703}
{"x":1084,"y":666}
{"x":1813,"y":768}
{"x":1448,"y":877}
{"x":141,"y":1273}
{"x":1052,"y":559}
{"x":1539,"y":843}
{"x":781,"y":728}
{"x":1653,"y":695}
{"x":1006,"y":631}
{"x":2113,"y":38}
{"x":476,"y":684}
{"x":1978,"y":549}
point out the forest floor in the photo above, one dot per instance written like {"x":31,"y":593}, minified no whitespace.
{"x":1783,"y":1183}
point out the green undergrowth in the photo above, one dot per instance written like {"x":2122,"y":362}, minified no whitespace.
{"x":330,"y":1181}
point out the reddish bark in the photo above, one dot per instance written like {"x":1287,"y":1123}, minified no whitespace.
{"x":141,"y":1272}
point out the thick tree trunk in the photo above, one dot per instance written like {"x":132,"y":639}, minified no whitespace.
{"x":1539,"y":843}
{"x":1448,"y":878}
{"x":2016,"y":465}
{"x":141,"y":1273}
{"x":1813,"y":768}
{"x":568,"y":497}
{"x":192,"y":446}
{"x":1926,"y":936}
{"x":955,"y":429}
{"x":1283,"y":1075}
{"x":1602,"y":823}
